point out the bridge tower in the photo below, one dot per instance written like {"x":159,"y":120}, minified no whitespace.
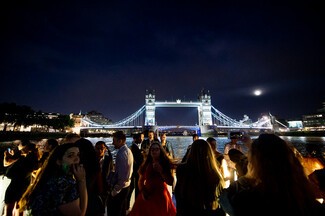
{"x":204,"y":111}
{"x":150,"y":108}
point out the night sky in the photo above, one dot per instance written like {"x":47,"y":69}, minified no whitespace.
{"x":72,"y":56}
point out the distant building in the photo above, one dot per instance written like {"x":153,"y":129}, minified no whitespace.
{"x":51,"y":115}
{"x":31,"y":127}
{"x":92,"y":116}
{"x":98,"y":118}
{"x":295,"y":125}
{"x":315,"y":122}
{"x":77,"y":118}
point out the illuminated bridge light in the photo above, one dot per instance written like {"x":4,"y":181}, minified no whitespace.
{"x":207,"y":116}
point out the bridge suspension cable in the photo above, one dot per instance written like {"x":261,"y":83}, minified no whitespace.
{"x":281,"y":124}
{"x":223,"y":119}
{"x":205,"y":114}
{"x":133,"y":119}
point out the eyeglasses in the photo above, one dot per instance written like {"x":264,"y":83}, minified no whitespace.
{"x":155,"y":149}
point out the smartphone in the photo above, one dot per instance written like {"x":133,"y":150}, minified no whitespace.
{"x":9,"y":149}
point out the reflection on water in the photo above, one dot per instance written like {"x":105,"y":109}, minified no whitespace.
{"x":300,"y":143}
{"x":180,"y":143}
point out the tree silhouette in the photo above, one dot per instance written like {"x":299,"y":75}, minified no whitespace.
{"x":11,"y":113}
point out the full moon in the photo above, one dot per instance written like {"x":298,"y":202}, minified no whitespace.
{"x":257,"y":92}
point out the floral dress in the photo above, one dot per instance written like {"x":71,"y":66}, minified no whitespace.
{"x":57,"y":191}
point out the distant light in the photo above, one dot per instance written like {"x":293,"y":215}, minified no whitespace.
{"x":257,"y":92}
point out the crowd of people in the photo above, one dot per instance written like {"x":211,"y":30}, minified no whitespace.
{"x":74,"y":176}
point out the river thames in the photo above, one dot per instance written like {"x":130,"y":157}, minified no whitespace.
{"x":180,"y":143}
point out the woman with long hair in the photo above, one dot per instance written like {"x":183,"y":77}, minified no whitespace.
{"x":275,"y":183}
{"x":94,"y":181}
{"x":155,"y":174}
{"x":199,"y":182}
{"x":59,"y":187}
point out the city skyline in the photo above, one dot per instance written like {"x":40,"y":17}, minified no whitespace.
{"x":187,"y":114}
{"x":77,"y":56}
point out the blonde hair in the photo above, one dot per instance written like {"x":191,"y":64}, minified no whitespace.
{"x":203,"y":177}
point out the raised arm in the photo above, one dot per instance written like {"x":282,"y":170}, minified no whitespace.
{"x":77,"y":207}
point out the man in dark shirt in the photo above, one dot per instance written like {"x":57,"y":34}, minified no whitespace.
{"x":104,"y":156}
{"x":147,"y":142}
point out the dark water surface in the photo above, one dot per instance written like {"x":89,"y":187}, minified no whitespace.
{"x":180,"y":143}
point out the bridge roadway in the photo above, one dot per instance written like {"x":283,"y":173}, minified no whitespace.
{"x":166,"y":127}
{"x":224,"y":123}
{"x":178,"y":103}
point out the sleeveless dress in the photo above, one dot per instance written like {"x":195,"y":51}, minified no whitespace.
{"x":159,"y":201}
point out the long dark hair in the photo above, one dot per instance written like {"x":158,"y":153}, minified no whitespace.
{"x":49,"y":169}
{"x":163,"y":160}
{"x":89,"y":160}
{"x":277,"y":172}
{"x":203,"y":175}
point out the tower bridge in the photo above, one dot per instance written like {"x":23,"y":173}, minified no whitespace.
{"x":203,"y":106}
{"x":209,"y":118}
